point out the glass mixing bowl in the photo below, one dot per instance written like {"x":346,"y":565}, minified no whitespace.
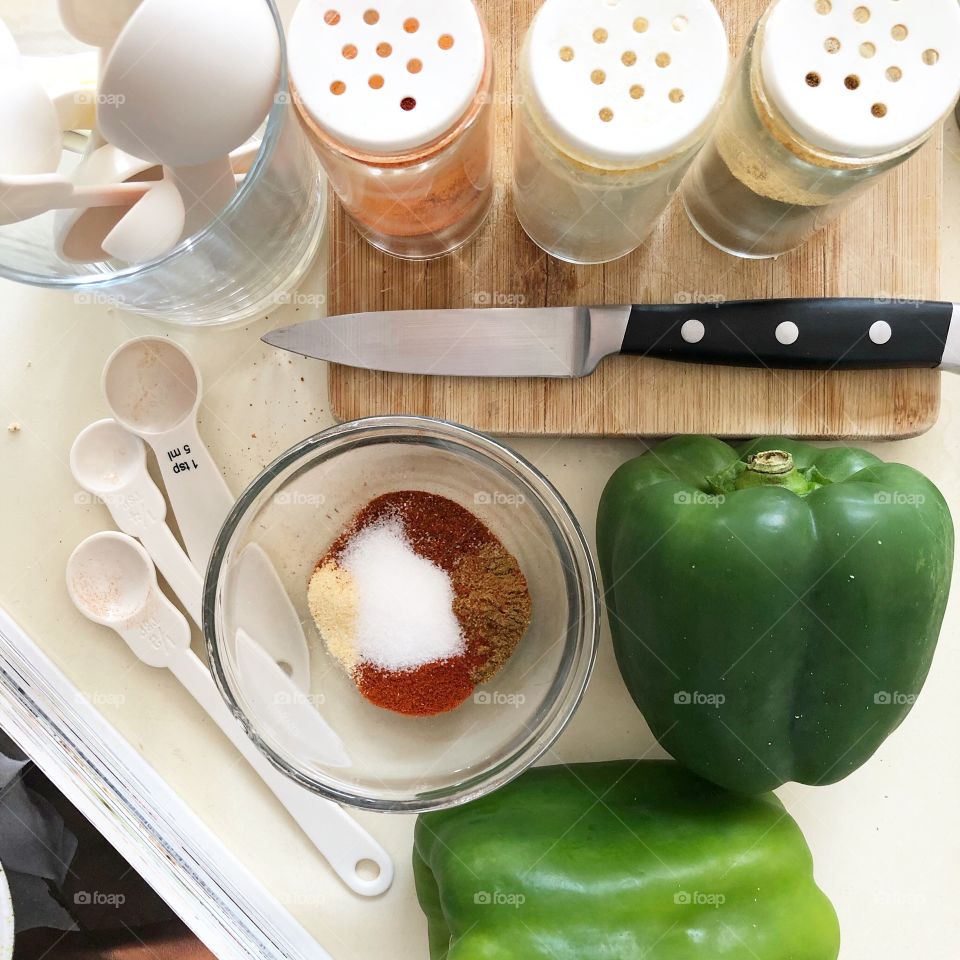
{"x":369,"y":757}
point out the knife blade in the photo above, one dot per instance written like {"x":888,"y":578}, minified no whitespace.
{"x":812,"y":334}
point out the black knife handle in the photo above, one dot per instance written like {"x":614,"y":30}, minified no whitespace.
{"x":801,"y":334}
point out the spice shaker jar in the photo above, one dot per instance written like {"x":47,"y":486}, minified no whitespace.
{"x":397,"y":102}
{"x":831,"y":94}
{"x":613,"y":102}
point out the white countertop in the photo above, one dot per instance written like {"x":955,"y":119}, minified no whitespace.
{"x":885,"y":841}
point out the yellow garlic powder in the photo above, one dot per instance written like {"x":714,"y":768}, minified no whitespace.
{"x":335,"y":606}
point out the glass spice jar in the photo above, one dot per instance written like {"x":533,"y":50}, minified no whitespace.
{"x":398,"y":104}
{"x":612,"y":103}
{"x":830,"y":95}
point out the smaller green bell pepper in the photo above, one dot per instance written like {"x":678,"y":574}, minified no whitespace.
{"x":626,"y":860}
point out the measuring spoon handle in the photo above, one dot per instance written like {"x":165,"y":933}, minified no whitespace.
{"x":206,"y":189}
{"x":341,"y":840}
{"x":198,"y":493}
{"x":174,"y":564}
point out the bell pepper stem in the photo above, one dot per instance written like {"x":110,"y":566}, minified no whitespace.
{"x":773,"y":468}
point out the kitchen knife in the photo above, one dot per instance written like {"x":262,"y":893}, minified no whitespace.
{"x":812,"y":334}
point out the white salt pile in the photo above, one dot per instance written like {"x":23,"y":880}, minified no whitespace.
{"x":405,"y":612}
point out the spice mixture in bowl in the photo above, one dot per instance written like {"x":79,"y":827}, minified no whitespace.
{"x":419,"y":602}
{"x":448,"y":601}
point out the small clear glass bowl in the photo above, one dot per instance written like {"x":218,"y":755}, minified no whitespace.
{"x":372,"y":758}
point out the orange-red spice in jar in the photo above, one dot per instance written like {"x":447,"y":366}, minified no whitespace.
{"x":490,"y":600}
{"x":401,"y":117}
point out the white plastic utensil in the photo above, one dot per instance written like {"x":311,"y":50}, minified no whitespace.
{"x":153,"y":388}
{"x":78,"y":235}
{"x":96,"y":22}
{"x":242,"y":159}
{"x":152,"y":227}
{"x":206,"y":190}
{"x":9,"y":52}
{"x":188,"y":82}
{"x":26,"y":196}
{"x":265,"y":611}
{"x":71,"y":83}
{"x":275,"y":698}
{"x":30,"y":140}
{"x":178,"y":96}
{"x":111,"y":463}
{"x":113,"y":582}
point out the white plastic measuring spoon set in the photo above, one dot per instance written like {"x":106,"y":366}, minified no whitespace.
{"x":168,"y":95}
{"x":153,"y":388}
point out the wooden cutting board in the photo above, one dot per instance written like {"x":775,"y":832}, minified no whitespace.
{"x":887,"y":244}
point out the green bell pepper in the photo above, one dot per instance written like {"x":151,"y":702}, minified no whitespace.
{"x":626,"y":860}
{"x":774,"y":608}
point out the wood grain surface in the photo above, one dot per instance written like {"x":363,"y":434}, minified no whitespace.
{"x":886,"y":244}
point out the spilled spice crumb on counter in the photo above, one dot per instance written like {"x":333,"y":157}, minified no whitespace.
{"x":419,"y":602}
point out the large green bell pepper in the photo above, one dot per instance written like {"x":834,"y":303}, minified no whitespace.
{"x":774,"y":616}
{"x":626,"y":860}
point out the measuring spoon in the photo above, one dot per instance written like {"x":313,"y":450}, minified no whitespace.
{"x":31,"y":136}
{"x":79,"y":235}
{"x":112,"y":581}
{"x":152,"y":227}
{"x":264,"y":610}
{"x":111,"y":463}
{"x":179,"y":97}
{"x":274,"y":698}
{"x":9,"y":51}
{"x":153,"y":388}
{"x":71,"y":83}
{"x":30,"y":195}
{"x":188,"y":82}
{"x":206,"y":190}
{"x":96,"y":23}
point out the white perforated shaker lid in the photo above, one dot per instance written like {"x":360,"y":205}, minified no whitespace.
{"x":862,"y":78}
{"x":627,"y":81}
{"x":386,"y":76}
